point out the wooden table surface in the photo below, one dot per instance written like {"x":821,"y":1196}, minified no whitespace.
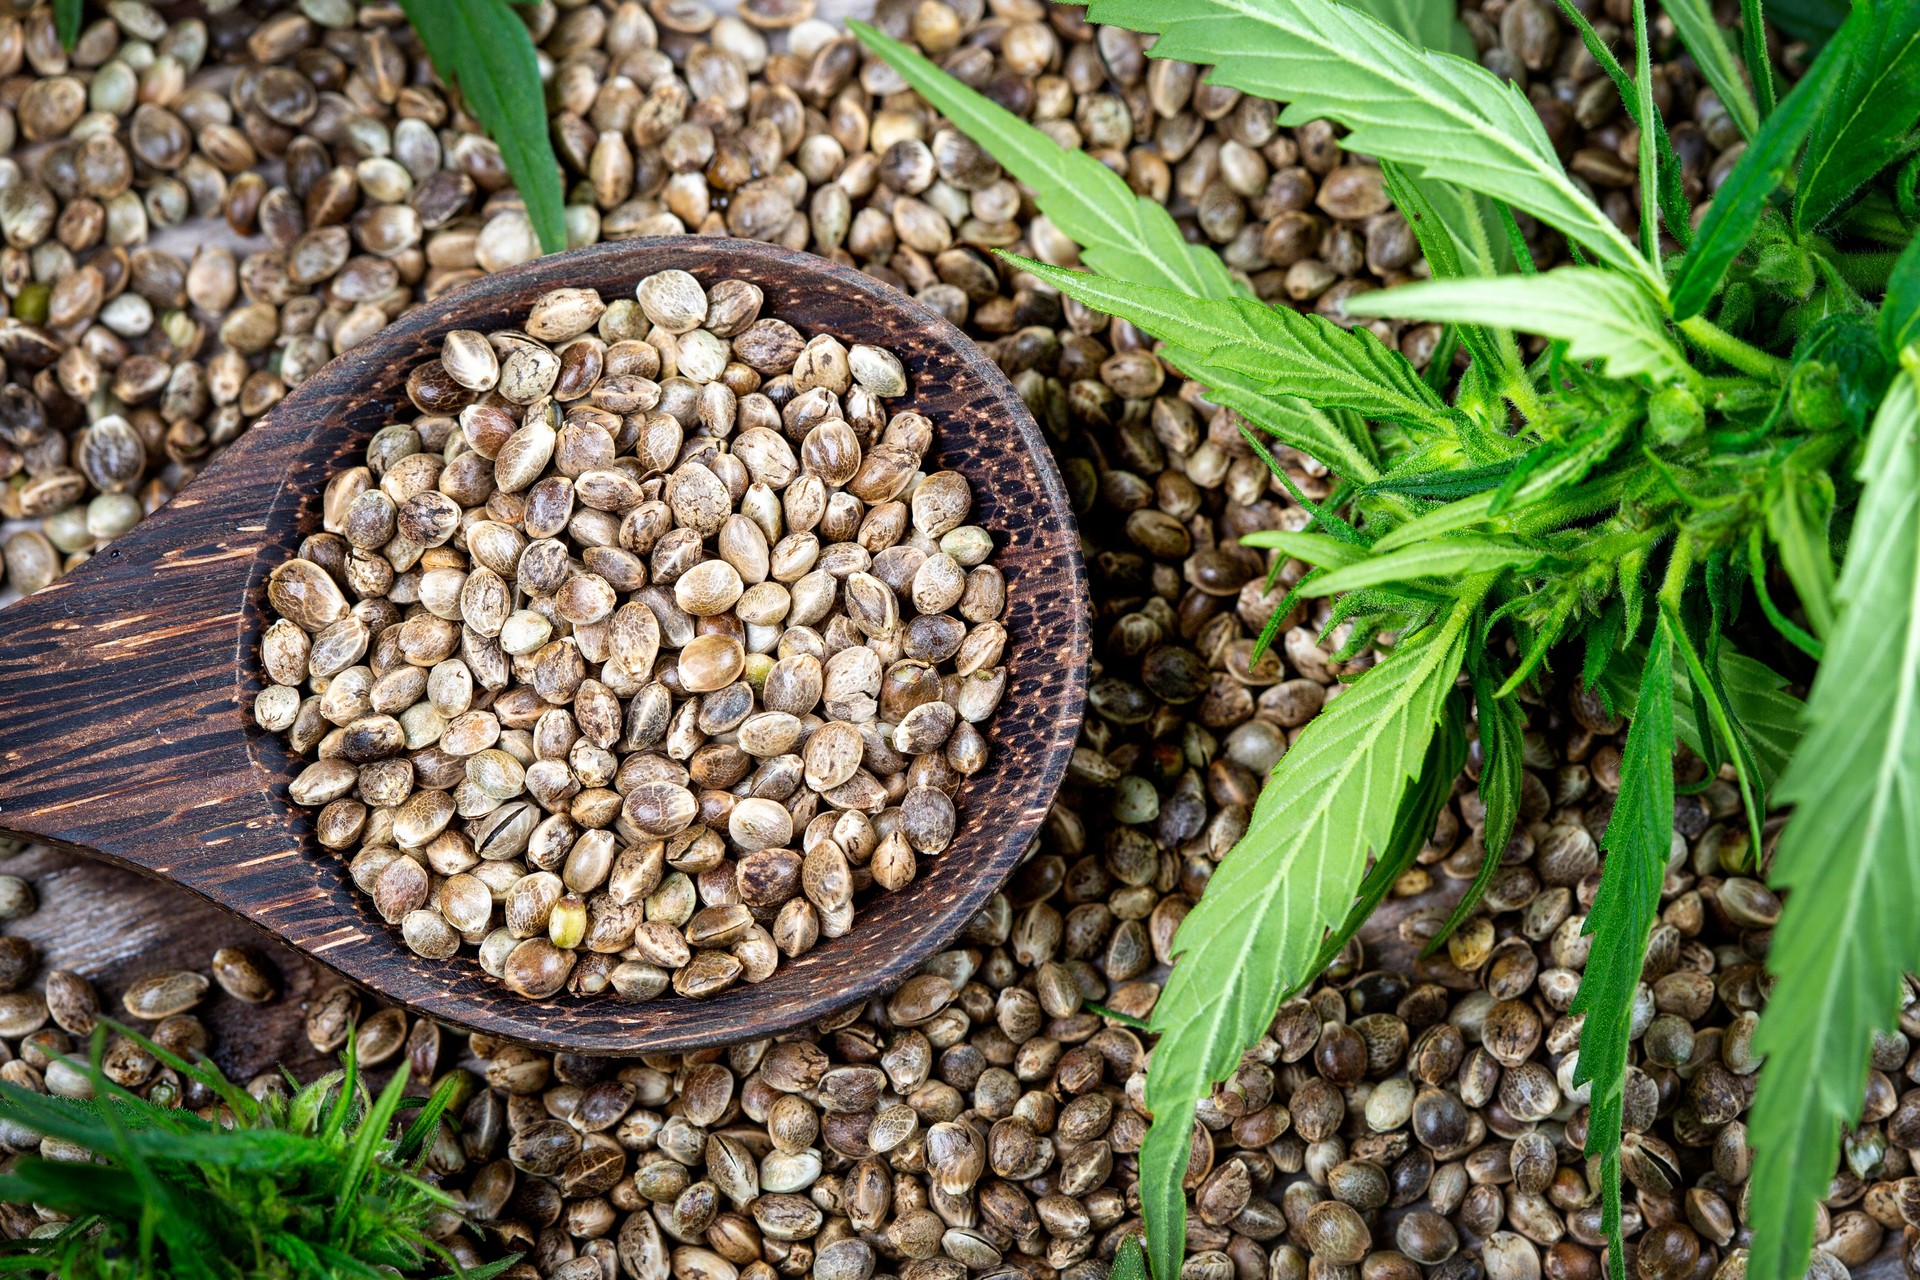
{"x":111,"y":926}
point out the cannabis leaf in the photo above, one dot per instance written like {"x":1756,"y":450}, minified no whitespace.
{"x":1851,"y":855}
{"x":1412,"y":825}
{"x":1431,"y":24}
{"x":1600,"y":315}
{"x":1302,"y":355}
{"x":1762,"y":167}
{"x":483,"y":48}
{"x":1312,"y":548}
{"x":1799,"y":513}
{"x":1502,"y":755}
{"x":1707,"y":42}
{"x":316,"y":1182}
{"x":1433,"y":112}
{"x":1459,"y":556}
{"x":1899,"y":321}
{"x":1119,"y":233}
{"x":1561,"y":468}
{"x":1114,"y":1015}
{"x":1674,"y":206}
{"x":1725,"y":743}
{"x":1638,"y":842}
{"x":1770,"y":718}
{"x":1250,"y":938}
{"x":1132,"y":237}
{"x":1863,"y":127}
{"x":1340,"y":441}
{"x":1646,"y":116}
{"x":1456,"y":248}
{"x":1130,"y":1263}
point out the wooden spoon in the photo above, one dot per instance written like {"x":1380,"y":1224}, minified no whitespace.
{"x":126,"y":688}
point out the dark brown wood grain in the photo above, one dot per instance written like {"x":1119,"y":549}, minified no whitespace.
{"x":126,"y":688}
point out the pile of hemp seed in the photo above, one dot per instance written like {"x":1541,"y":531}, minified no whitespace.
{"x":671,"y":763}
{"x":1405,"y":1120}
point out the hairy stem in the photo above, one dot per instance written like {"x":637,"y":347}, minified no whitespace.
{"x":1679,"y":565}
{"x":1717,"y":342}
{"x":1518,"y":388}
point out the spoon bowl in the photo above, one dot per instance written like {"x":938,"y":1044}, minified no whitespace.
{"x":126,"y":687}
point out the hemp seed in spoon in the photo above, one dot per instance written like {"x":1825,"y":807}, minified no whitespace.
{"x":643,"y":651}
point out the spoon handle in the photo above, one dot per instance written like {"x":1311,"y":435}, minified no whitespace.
{"x":125,"y":686}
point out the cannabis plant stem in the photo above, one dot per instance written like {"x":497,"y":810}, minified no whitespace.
{"x":1518,"y":388}
{"x":1720,"y":344}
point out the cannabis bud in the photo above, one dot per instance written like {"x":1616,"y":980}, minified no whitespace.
{"x":1788,"y":268}
{"x":1674,"y":416}
{"x":1736,"y":307}
{"x":1814,"y":396}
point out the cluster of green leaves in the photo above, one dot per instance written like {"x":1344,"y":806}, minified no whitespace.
{"x":1701,"y":438}
{"x":317,"y":1183}
{"x":483,"y":49}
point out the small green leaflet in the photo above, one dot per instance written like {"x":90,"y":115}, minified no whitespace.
{"x":1771,"y":719}
{"x":1767,"y":714}
{"x":1502,"y":754}
{"x":1435,"y":113}
{"x":1254,"y":933}
{"x":1600,"y":315}
{"x":1646,"y":117}
{"x":1790,"y":631}
{"x":1693,"y":635}
{"x":1864,"y":126}
{"x":1673,"y":196}
{"x":1307,"y":356}
{"x":1446,"y":249}
{"x":1761,"y":170}
{"x":1712,"y":53}
{"x":1316,"y":549}
{"x":482,"y":47}
{"x":1467,"y":214}
{"x":1459,"y":556}
{"x":1119,"y":233}
{"x":1340,"y":441}
{"x":1638,"y":842}
{"x":1442,"y":485}
{"x":1850,"y":858}
{"x":1114,"y":1015}
{"x":1899,"y":321}
{"x":1131,"y":1262}
{"x":1753,"y":39}
{"x":1799,"y":511}
{"x":66,"y":21}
